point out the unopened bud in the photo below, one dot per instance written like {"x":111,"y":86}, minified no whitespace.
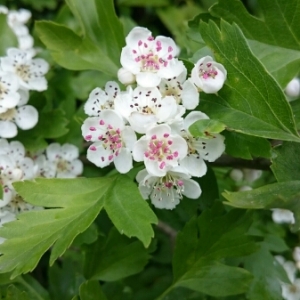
{"x":236,"y":175}
{"x":293,"y":88}
{"x":125,"y":76}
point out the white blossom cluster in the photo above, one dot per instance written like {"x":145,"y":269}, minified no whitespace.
{"x":146,"y":122}
{"x":20,"y":72}
{"x":290,"y":291}
{"x":57,"y":161}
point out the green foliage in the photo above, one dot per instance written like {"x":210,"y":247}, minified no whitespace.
{"x":204,"y":243}
{"x":278,"y":195}
{"x":8,"y":39}
{"x":285,"y":162}
{"x":206,"y":129}
{"x":250,"y":93}
{"x":90,"y":290}
{"x":279,"y":52}
{"x":74,"y":205}
{"x":245,"y":146}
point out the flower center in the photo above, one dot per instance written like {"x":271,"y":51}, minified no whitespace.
{"x":159,"y":149}
{"x":172,"y":88}
{"x":207,"y":71}
{"x":23,"y":71}
{"x":3,"y":91}
{"x":63,"y":165}
{"x":9,"y":115}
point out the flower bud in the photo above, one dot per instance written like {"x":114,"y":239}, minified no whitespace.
{"x":236,"y":174}
{"x":125,"y":76}
{"x":208,"y":75}
{"x":293,"y":88}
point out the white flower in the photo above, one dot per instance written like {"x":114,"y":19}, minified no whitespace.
{"x":9,"y":97}
{"x":3,"y":9}
{"x":125,"y":77}
{"x":30,"y":71}
{"x":167,"y":191}
{"x":24,"y":117}
{"x":208,"y":75}
{"x":150,"y":59}
{"x":296,"y":256}
{"x":290,"y":291}
{"x":199,"y":149}
{"x":65,"y":159}
{"x":293,"y":88}
{"x":100,"y":100}
{"x":112,"y":140}
{"x":280,"y":216}
{"x":251,"y":175}
{"x":160,"y":150}
{"x":44,"y":167}
{"x":145,"y":107}
{"x":184,"y":91}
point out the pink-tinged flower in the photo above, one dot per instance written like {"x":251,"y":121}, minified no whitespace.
{"x":160,"y":150}
{"x":208,"y":75}
{"x":149,"y":58}
{"x":30,"y":71}
{"x":145,"y":107}
{"x":184,"y":91}
{"x":167,"y":191}
{"x":100,"y":100}
{"x":199,"y":149}
{"x":112,"y":140}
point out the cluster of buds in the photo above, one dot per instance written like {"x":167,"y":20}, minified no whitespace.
{"x":153,"y":108}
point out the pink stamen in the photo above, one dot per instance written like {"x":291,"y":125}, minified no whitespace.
{"x":153,"y":137}
{"x":170,"y":142}
{"x":170,"y":49}
{"x":180,"y":182}
{"x":109,"y":126}
{"x":88,"y":137}
{"x":140,"y":42}
{"x":162,"y":165}
{"x":92,"y":128}
{"x":166,"y":135}
{"x":93,"y":148}
{"x":101,"y":122}
{"x":175,"y":154}
{"x":110,"y":157}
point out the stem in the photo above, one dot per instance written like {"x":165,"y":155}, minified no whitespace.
{"x":165,"y":293}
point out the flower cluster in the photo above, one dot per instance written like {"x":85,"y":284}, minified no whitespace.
{"x":20,"y":72}
{"x":57,"y":161}
{"x":153,"y":108}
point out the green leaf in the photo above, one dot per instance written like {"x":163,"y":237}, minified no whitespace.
{"x":152,"y":3}
{"x":251,"y":102}
{"x":74,"y":205}
{"x":90,"y":290}
{"x":206,"y":128}
{"x":73,"y":52}
{"x":13,"y":293}
{"x":117,"y":258}
{"x":129,"y":212}
{"x":277,"y":195}
{"x":204,"y":243}
{"x":246,"y":146}
{"x":101,"y":25}
{"x":296,"y":110}
{"x":284,"y":165}
{"x":51,"y":124}
{"x":8,"y":38}
{"x":280,"y":17}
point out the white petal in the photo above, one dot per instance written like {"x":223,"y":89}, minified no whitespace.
{"x":112,"y":118}
{"x":129,"y":137}
{"x":37,"y":84}
{"x":148,"y":79}
{"x":194,"y":166}
{"x":192,"y":189}
{"x":139,"y":149}
{"x":69,"y":152}
{"x":128,"y":62}
{"x":189,"y":95}
{"x":123,"y":162}
{"x":91,"y":131}
{"x":27,"y":117}
{"x":8,"y":129}
{"x":158,"y":130}
{"x":99,"y":155}
{"x":153,"y":168}
{"x":24,"y":97}
{"x":192,"y":117}
{"x":77,"y":167}
{"x":112,"y":89}
{"x":141,"y":122}
{"x":214,"y":148}
{"x":93,"y":105}
{"x":53,"y":151}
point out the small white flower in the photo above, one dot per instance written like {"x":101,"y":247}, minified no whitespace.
{"x":30,"y":71}
{"x":184,"y":91}
{"x":145,"y":107}
{"x":24,"y":117}
{"x":199,"y":149}
{"x":167,"y":191}
{"x":3,"y":9}
{"x":112,"y":140}
{"x":100,"y":100}
{"x":9,"y":97}
{"x":125,"y":77}
{"x":65,"y":159}
{"x":251,"y":175}
{"x":150,"y":59}
{"x":245,"y":188}
{"x":44,"y":167}
{"x":208,"y":75}
{"x":293,"y":88}
{"x":160,"y":150}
